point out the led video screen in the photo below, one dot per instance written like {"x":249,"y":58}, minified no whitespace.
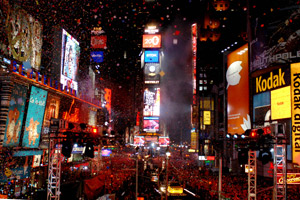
{"x":151,"y":101}
{"x":151,"y":124}
{"x":70,"y":54}
{"x":151,"y":56}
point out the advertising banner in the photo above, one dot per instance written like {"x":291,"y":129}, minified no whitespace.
{"x":151,"y":101}
{"x":151,"y":56}
{"x":97,"y":56}
{"x":25,"y":37}
{"x":194,"y":139}
{"x":277,"y":78}
{"x":206,"y":117}
{"x":237,"y":77}
{"x":281,"y":103}
{"x":151,"y":41}
{"x":15,"y":116}
{"x":70,"y":54}
{"x":34,"y":118}
{"x":21,"y":170}
{"x":139,"y":141}
{"x":295,"y":96}
{"x":275,"y":33}
{"x":291,"y":178}
{"x":164,"y":141}
{"x":151,"y":124}
{"x":98,"y":41}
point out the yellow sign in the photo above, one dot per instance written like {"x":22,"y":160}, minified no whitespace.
{"x":193,"y":140}
{"x":273,"y":81}
{"x":281,"y":103}
{"x":206,"y":115}
{"x":295,"y":94}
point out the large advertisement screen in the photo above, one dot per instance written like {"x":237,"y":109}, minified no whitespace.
{"x":15,"y":116}
{"x":151,"y":41}
{"x":164,"y":141}
{"x":151,"y":124}
{"x":151,"y":56}
{"x":151,"y":101}
{"x":69,"y":61}
{"x":275,"y":33}
{"x":34,"y":118}
{"x":139,"y":141}
{"x":237,"y":78}
{"x":24,"y":34}
{"x":281,"y":103}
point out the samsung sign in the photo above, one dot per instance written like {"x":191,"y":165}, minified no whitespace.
{"x":97,"y":56}
{"x":151,"y":56}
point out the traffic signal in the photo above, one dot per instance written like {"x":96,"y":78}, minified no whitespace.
{"x":67,"y":148}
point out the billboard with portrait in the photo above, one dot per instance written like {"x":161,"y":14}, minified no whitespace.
{"x":275,"y":33}
{"x":15,"y":116}
{"x":151,"y":101}
{"x":70,"y":53}
{"x":237,"y":77}
{"x":34,"y":118}
{"x":151,"y":124}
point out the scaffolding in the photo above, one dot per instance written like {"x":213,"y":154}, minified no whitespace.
{"x":279,"y":171}
{"x":252,"y":174}
{"x":54,"y":168}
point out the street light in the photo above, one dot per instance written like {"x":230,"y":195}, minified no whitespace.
{"x":168,"y":154}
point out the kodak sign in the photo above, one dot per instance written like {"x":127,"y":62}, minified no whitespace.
{"x":272,"y":81}
{"x":295,"y":98}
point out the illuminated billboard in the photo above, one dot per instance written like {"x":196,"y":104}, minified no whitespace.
{"x":151,"y":41}
{"x":237,"y":78}
{"x":98,"y":41}
{"x":15,"y":116}
{"x":24,"y":34}
{"x":139,"y":141}
{"x":295,"y":88}
{"x":151,"y":101}
{"x":34,"y":118}
{"x":151,"y":124}
{"x":151,"y":56}
{"x":281,"y":103}
{"x":97,"y":56}
{"x":70,"y":53}
{"x":106,"y":152}
{"x":164,"y":141}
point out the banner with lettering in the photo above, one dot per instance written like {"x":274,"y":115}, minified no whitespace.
{"x":34,"y":118}
{"x":275,"y":33}
{"x":15,"y":116}
{"x":295,"y":98}
{"x":291,"y":178}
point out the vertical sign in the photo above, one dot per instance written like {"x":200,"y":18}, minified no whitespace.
{"x":34,"y":118}
{"x":107,"y":98}
{"x":15,"y":116}
{"x":194,"y":49}
{"x":295,"y":98}
{"x":237,"y":77}
{"x":194,"y":139}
